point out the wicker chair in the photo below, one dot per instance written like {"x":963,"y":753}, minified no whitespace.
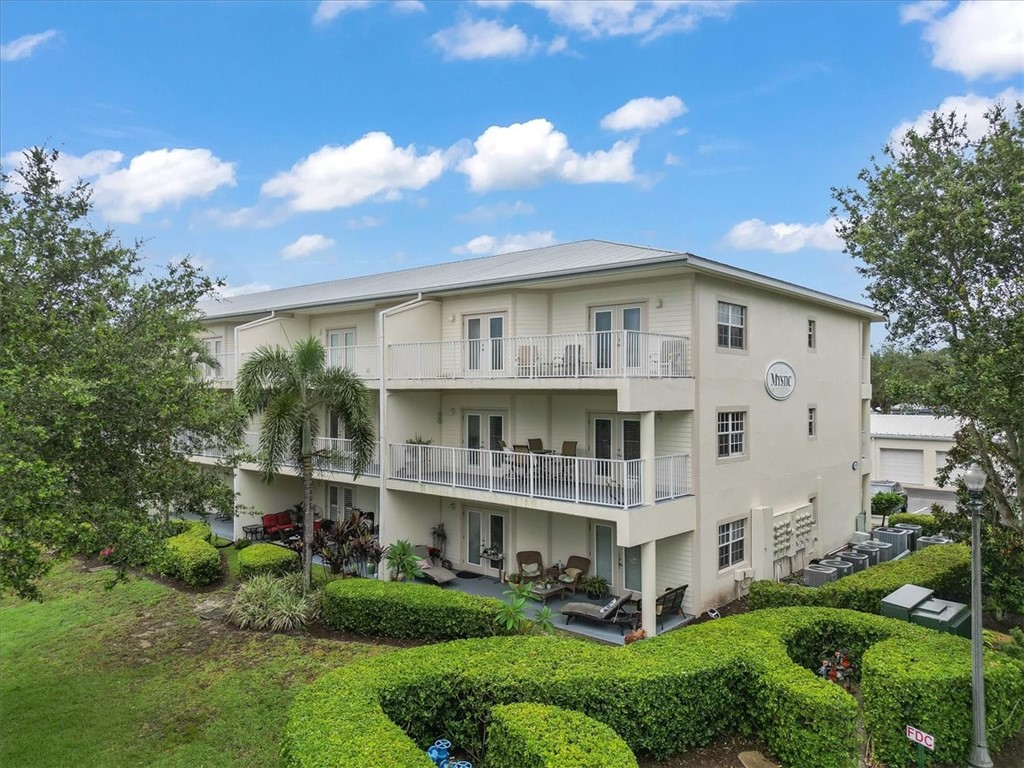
{"x":581,"y":565}
{"x":530,"y":557}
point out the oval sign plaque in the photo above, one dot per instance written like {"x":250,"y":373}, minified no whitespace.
{"x":780,"y":380}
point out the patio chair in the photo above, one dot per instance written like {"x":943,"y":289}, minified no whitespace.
{"x":568,"y":468}
{"x":537,"y":445}
{"x":435,"y":573}
{"x":576,"y":567}
{"x":527,"y":361}
{"x":279,"y":524}
{"x":599,"y":614}
{"x":669,"y":603}
{"x":531,"y":565}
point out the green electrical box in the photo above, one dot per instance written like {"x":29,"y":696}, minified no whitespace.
{"x":945,"y":616}
{"x":901,"y":603}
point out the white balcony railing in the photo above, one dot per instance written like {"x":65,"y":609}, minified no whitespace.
{"x":224,"y":371}
{"x":671,"y":476}
{"x":603,"y":482}
{"x":322,"y":463}
{"x":186,"y":443}
{"x":362,"y":361}
{"x":562,"y":355}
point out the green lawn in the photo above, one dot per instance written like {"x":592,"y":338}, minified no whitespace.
{"x":129,"y":676}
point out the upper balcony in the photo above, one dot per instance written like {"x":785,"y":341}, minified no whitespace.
{"x":361,"y":360}
{"x":223,"y":373}
{"x":331,"y":454}
{"x":603,"y":358}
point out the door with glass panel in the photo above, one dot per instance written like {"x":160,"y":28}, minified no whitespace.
{"x":485,"y":345}
{"x":215,"y":349}
{"x":484,"y":432}
{"x":604,"y":552}
{"x":485,"y":540}
{"x":341,"y":351}
{"x":616,"y":437}
{"x":618,"y":346}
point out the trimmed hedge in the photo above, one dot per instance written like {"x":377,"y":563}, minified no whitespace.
{"x":408,"y":611}
{"x":542,"y":736}
{"x":190,"y":559}
{"x":748,"y":674}
{"x":268,"y":559}
{"x":929,"y":527}
{"x":198,"y":528}
{"x":945,"y":569}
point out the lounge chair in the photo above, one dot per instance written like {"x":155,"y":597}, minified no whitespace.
{"x":531,"y":565}
{"x":600,"y":614}
{"x":669,"y":603}
{"x":576,"y":567}
{"x":435,"y":573}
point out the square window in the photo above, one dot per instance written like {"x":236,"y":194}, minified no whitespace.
{"x":731,"y":431}
{"x":732,"y":322}
{"x":731,"y":543}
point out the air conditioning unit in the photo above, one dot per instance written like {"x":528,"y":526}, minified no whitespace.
{"x":740,"y":574}
{"x":858,"y":560}
{"x":915,"y":532}
{"x":886,"y":551}
{"x":898,"y":537}
{"x":816,"y":575}
{"x":930,"y":541}
{"x":870,"y":549}
{"x":842,"y":567}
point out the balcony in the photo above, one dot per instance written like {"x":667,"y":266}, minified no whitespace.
{"x":575,"y":479}
{"x":223,"y":373}
{"x":361,"y":360}
{"x":331,"y":454}
{"x":595,"y":355}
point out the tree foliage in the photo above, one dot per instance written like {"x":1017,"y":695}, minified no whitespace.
{"x":899,"y":377}
{"x":938,"y":230}
{"x":97,"y":382}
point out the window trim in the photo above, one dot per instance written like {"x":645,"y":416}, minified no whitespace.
{"x":731,"y":541}
{"x":812,"y":421}
{"x":745,"y":306}
{"x":734,"y":457}
{"x":812,"y":334}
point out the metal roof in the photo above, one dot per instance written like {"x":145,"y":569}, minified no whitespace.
{"x":915,"y":426}
{"x":565,"y":260}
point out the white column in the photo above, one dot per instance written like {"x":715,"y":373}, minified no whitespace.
{"x":647,"y":454}
{"x":648,"y":582}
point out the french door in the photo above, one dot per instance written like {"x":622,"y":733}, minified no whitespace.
{"x":617,"y":347}
{"x":485,"y":344}
{"x":616,"y":437}
{"x":484,"y":432}
{"x":486,"y":532}
{"x":214,"y":348}
{"x":341,"y":351}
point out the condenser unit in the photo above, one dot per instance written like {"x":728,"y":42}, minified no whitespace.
{"x":842,"y":567}
{"x":914,"y":531}
{"x":858,"y":560}
{"x":930,"y":541}
{"x":816,"y":575}
{"x":869,"y":548}
{"x":898,"y":537}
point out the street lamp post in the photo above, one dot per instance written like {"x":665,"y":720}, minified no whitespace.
{"x":975,"y":479}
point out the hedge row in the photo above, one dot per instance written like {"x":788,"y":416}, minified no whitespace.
{"x":191,"y":559}
{"x":945,"y":569}
{"x":407,"y":610}
{"x":542,"y":736}
{"x":198,"y":528}
{"x":927,"y":522}
{"x":745,"y":674}
{"x":266,"y":558}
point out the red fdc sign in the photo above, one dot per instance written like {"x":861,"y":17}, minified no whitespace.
{"x":920,"y":737}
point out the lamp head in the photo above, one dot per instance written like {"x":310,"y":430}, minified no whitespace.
{"x":974,"y":478}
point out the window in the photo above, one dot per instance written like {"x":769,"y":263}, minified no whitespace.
{"x":732,"y":320}
{"x":340,"y":502}
{"x":730,"y":433}
{"x":812,"y":422}
{"x":730,"y":543}
{"x":812,"y":338}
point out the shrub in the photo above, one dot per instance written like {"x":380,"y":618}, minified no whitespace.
{"x":748,"y":674}
{"x":929,"y":526}
{"x":407,"y":611}
{"x":198,"y":528}
{"x":190,"y":559}
{"x":885,"y":503}
{"x":242,"y":543}
{"x":542,"y":736}
{"x":273,"y":602}
{"x":81,"y":539}
{"x":945,"y":569}
{"x":266,"y":559}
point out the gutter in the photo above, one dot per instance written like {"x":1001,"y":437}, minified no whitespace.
{"x":246,"y":326}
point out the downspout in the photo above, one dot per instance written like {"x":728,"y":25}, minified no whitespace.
{"x":247,"y":326}
{"x":382,"y":431}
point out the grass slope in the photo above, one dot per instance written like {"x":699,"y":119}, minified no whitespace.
{"x":129,"y":676}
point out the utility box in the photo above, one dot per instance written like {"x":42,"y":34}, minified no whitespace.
{"x":817,"y":575}
{"x":898,"y":537}
{"x":931,"y":541}
{"x":901,"y":603}
{"x":915,"y":533}
{"x":842,"y":567}
{"x":943,"y":615}
{"x":858,"y":560}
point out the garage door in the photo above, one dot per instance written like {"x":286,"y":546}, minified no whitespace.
{"x":903,"y":466}
{"x":956,"y":474}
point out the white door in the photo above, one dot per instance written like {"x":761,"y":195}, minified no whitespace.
{"x":485,"y":532}
{"x":484,"y":432}
{"x":631,"y":569}
{"x":902,"y":465}
{"x":617,"y":340}
{"x":341,"y":348}
{"x":214,"y":348}
{"x":485,"y":344}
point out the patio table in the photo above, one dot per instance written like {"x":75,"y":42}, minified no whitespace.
{"x":253,"y":532}
{"x":542,"y":593}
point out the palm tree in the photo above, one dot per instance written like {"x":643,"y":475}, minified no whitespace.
{"x":289,"y":389}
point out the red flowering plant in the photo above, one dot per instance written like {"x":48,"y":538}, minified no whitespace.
{"x":107,"y":554}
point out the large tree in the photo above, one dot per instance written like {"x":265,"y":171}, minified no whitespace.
{"x":291,"y":390}
{"x":899,"y":377}
{"x":938,"y":230}
{"x":99,"y":391}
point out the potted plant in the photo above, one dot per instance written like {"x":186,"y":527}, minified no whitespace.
{"x":594,"y":586}
{"x":401,"y":561}
{"x":440,"y":537}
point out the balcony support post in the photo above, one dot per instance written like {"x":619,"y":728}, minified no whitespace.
{"x":647,"y":443}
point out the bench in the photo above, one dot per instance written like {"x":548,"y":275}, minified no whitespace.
{"x":669,"y":602}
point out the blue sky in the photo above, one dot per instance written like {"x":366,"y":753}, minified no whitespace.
{"x":286,"y":143}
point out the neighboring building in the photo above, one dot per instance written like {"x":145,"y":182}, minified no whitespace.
{"x":912,"y":449}
{"x":719,"y":417}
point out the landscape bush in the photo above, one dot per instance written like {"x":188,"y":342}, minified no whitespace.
{"x":266,"y":559}
{"x":748,"y":674}
{"x":542,"y":736}
{"x":274,"y":602}
{"x":198,"y":528}
{"x":929,"y":526}
{"x":407,"y":610}
{"x":945,"y":569}
{"x":190,"y":559}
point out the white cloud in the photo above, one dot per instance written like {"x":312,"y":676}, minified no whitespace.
{"x":305,"y":245}
{"x":483,"y":40}
{"x":25,"y":46}
{"x":487,"y":245}
{"x":671,"y":159}
{"x":254,"y":217}
{"x":526,"y":154}
{"x":70,"y":168}
{"x":328,"y":10}
{"x":755,"y":235}
{"x":975,"y":38}
{"x":409,"y":6}
{"x":339,"y":177}
{"x":485,"y":213}
{"x":227,"y":291}
{"x":364,"y":222}
{"x":642,"y":113}
{"x":158,"y":178}
{"x":970,"y":107}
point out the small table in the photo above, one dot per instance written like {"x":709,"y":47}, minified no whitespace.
{"x":492,"y":559}
{"x":628,"y":616}
{"x":542,"y":593}
{"x":253,"y":532}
